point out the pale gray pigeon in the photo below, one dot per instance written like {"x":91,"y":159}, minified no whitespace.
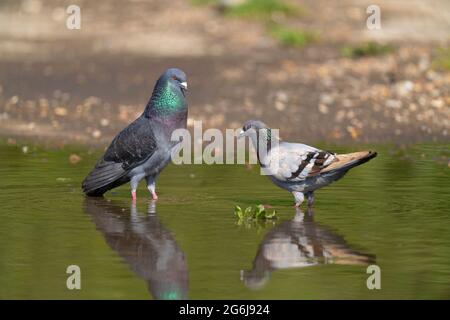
{"x":297,"y":167}
{"x":300,"y":243}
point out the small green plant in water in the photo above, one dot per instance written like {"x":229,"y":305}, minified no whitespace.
{"x":366,"y":49}
{"x":259,"y":213}
{"x":292,"y":37}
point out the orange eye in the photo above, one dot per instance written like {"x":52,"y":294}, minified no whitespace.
{"x":174,"y":78}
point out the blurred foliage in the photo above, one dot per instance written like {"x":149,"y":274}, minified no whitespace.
{"x":292,"y":37}
{"x":264,"y":9}
{"x":366,"y":49}
{"x":259,"y":9}
{"x":442,"y":59}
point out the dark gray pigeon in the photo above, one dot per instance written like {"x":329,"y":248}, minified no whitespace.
{"x":143,"y":149}
{"x":149,"y":249}
{"x":297,"y":167}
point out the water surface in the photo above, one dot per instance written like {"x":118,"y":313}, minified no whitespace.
{"x":392,"y":212}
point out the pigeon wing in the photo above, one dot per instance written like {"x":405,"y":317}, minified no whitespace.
{"x":133,"y":145}
{"x":130,"y":148}
{"x":296,"y":162}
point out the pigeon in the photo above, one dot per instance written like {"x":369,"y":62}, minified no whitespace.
{"x":296,"y":167}
{"x":143,"y":149}
{"x":299,"y":243}
{"x":149,"y":249}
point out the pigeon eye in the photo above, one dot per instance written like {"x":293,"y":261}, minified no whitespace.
{"x":174,"y":78}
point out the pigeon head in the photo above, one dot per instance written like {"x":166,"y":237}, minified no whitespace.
{"x":254,"y":124}
{"x":168,"y":96}
{"x":252,"y":128}
{"x":259,"y":132}
{"x":175,"y":77}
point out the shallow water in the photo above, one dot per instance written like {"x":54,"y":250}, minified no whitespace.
{"x":392,"y":212}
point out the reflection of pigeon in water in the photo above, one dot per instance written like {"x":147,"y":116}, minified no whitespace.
{"x":143,"y":149}
{"x":145,"y":245}
{"x":300,"y":243}
{"x":296,"y":167}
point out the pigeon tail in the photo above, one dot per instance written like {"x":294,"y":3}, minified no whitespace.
{"x":105,"y":176}
{"x":344,"y":162}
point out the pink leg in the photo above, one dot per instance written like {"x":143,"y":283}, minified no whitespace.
{"x":133,"y":195}
{"x":299,"y":197}
{"x":154,"y":195}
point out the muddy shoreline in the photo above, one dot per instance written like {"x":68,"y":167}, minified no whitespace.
{"x":85,"y":86}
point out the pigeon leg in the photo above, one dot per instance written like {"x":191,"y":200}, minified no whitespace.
{"x":134,"y":184}
{"x":151,"y":185}
{"x":310,"y":198}
{"x":299,"y":197}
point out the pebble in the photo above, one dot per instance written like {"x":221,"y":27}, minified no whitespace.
{"x":279,"y":105}
{"x":326,"y":98}
{"x":405,"y":88}
{"x":395,"y":104}
{"x":74,"y":158}
{"x":323,"y":108}
{"x":14,"y":99}
{"x":437,"y":103}
{"x":60,"y":111}
{"x":281,"y":99}
{"x":104,"y":122}
{"x":347,"y":103}
{"x":353,"y":132}
{"x":96,"y":134}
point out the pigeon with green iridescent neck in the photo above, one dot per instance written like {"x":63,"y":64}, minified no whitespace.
{"x":143,"y":149}
{"x":296,"y":167}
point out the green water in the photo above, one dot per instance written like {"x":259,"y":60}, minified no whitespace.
{"x":392,"y":212}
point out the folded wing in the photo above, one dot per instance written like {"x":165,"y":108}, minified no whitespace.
{"x":129,"y":149}
{"x":296,"y":162}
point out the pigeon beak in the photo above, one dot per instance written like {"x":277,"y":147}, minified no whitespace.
{"x":183,"y":85}
{"x":241,"y":134}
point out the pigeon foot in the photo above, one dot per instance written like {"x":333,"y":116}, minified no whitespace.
{"x":299,"y":197}
{"x":310,"y":198}
{"x":154,"y":195}
{"x":133,"y":195}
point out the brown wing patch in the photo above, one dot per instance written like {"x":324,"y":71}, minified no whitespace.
{"x":343,"y":159}
{"x":313,"y":163}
